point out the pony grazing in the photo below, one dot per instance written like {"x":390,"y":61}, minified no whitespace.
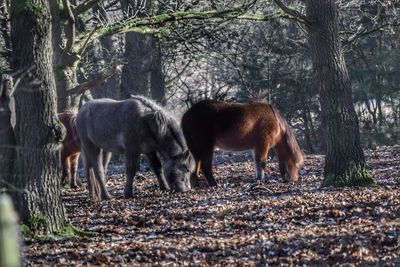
{"x":133,"y":127}
{"x":70,"y":149}
{"x":234,"y":126}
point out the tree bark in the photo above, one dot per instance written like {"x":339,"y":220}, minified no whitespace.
{"x":7,"y":138}
{"x":63,"y":33}
{"x":307,"y":131}
{"x":345,"y":162}
{"x":38,"y":133}
{"x":143,"y":72}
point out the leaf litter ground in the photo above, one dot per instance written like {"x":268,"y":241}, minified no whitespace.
{"x":275,"y":223}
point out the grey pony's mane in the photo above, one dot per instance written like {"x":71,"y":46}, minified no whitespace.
{"x":163,"y":120}
{"x":147,"y":102}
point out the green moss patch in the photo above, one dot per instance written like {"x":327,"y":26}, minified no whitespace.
{"x":358,"y":176}
{"x":71,"y":231}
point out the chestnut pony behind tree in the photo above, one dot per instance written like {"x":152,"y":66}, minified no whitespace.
{"x":70,"y":149}
{"x":233,"y":126}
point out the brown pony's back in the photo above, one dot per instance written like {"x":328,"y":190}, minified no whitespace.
{"x":234,"y":126}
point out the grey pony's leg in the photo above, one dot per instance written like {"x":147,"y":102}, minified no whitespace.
{"x":88,"y":172}
{"x":106,"y":161}
{"x":132,"y":161}
{"x":155,"y":165}
{"x":94,"y":156}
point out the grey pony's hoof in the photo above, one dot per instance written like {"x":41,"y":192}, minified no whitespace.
{"x":106,"y":196}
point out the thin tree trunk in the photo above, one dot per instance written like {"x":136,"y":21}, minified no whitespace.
{"x":38,"y":133}
{"x":7,"y":138}
{"x":307,"y":131}
{"x":143,"y":74}
{"x":345,"y":162}
{"x":380,"y":113}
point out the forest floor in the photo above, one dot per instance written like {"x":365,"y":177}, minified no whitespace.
{"x":274,"y":224}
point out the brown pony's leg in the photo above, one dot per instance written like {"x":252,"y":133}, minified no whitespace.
{"x":206,"y":166}
{"x":282,"y":168}
{"x":194,"y":178}
{"x":65,"y":170}
{"x":260,"y":161}
{"x":197,"y":168}
{"x":74,"y":181}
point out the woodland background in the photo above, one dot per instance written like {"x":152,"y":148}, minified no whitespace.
{"x":236,"y":60}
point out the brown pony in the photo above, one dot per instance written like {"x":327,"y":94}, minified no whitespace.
{"x":233,"y":126}
{"x":71,"y":148}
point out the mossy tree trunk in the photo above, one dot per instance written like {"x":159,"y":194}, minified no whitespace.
{"x":66,"y":58}
{"x":345,"y":161}
{"x":38,"y":133}
{"x":66,"y":79}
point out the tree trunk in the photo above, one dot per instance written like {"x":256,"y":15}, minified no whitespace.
{"x":66,"y":78}
{"x":7,"y":138}
{"x":143,"y":72}
{"x":307,"y":131}
{"x":380,"y":113}
{"x":38,"y":133}
{"x":345,"y":162}
{"x":66,"y":62}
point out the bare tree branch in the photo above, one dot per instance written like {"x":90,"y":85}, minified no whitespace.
{"x":70,"y":30}
{"x":116,"y":70}
{"x":153,"y":24}
{"x":360,"y":34}
{"x":88,"y":40}
{"x":294,"y":13}
{"x":85,"y":6}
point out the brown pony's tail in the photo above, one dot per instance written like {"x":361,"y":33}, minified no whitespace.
{"x":289,"y":136}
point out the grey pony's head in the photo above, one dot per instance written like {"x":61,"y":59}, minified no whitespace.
{"x":178,"y":170}
{"x":179,"y":163}
{"x":176,"y":159}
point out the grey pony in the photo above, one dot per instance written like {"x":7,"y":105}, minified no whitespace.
{"x":133,"y":127}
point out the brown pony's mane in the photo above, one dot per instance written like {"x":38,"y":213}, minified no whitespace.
{"x":289,"y":137}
